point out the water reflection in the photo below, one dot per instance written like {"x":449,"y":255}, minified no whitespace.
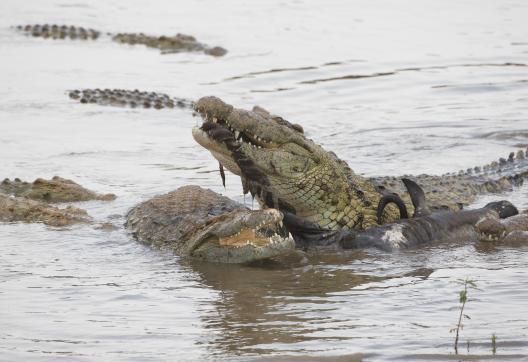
{"x":261,"y":305}
{"x":265,"y":307}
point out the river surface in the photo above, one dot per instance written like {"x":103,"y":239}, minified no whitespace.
{"x":392,"y":87}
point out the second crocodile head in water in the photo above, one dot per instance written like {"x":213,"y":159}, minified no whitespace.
{"x":201,"y":224}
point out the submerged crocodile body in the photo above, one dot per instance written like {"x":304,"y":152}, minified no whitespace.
{"x":166,"y":44}
{"x":128,"y":98}
{"x":57,"y":189}
{"x":510,"y":230}
{"x":22,"y":201}
{"x":169,"y":44}
{"x":22,"y":209}
{"x":200,"y":224}
{"x":316,"y":190}
{"x":59,"y":31}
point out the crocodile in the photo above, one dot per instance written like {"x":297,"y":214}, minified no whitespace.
{"x":511,"y":230}
{"x":201,"y":224}
{"x":55,"y":190}
{"x":166,"y":44}
{"x":169,"y":44}
{"x":128,"y":98}
{"x":22,"y":209}
{"x":316,"y":190}
{"x":22,"y":201}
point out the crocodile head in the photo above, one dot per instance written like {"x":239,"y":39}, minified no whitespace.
{"x":201,"y":224}
{"x":241,"y":236}
{"x":283,"y":169}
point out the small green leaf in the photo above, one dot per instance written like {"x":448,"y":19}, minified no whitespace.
{"x":471,"y":283}
{"x":463,"y":296}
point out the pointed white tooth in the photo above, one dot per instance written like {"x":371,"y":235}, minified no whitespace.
{"x":237,"y":133}
{"x":215,"y":120}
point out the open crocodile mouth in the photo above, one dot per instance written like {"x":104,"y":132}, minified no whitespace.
{"x":217,"y":134}
{"x":260,"y":235}
{"x":230,"y":146}
{"x":254,"y":227}
{"x":266,"y":233}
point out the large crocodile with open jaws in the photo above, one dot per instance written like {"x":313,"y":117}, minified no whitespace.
{"x":316,"y":190}
{"x":201,"y":224}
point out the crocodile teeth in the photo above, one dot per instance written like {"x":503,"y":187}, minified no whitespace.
{"x":215,"y":120}
{"x":237,"y":134}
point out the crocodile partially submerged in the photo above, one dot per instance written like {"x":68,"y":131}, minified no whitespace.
{"x":316,"y":190}
{"x":166,"y":44}
{"x":169,"y":44}
{"x":22,"y":209}
{"x":201,"y":224}
{"x":22,"y":201}
{"x":57,"y":189}
{"x":511,"y":230}
{"x":128,"y":98}
{"x":59,"y":31}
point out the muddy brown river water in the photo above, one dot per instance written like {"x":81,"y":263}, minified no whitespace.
{"x":392,"y":87}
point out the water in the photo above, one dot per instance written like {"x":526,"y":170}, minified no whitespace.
{"x":391,"y":87}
